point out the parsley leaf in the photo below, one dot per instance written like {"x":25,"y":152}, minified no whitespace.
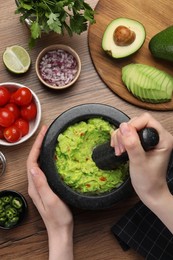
{"x":54,"y":23}
{"x":35,"y":30}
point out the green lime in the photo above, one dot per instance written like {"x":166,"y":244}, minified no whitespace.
{"x":16,"y":59}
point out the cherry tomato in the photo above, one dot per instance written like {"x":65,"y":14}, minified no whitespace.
{"x":29,"y":112}
{"x":6,"y":117}
{"x":1,"y":132}
{"x":12,"y":134}
{"x":12,"y":98}
{"x":4,"y":96}
{"x":14,"y":109}
{"x":23,"y":125}
{"x":22,"y":97}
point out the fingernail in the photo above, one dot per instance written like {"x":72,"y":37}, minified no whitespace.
{"x":117,"y":150}
{"x":121,"y":147}
{"x":34,"y":172}
{"x":124,"y":129}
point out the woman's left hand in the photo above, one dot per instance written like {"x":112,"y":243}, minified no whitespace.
{"x":54,"y":212}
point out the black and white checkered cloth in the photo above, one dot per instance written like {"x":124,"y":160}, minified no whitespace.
{"x":141,"y":230}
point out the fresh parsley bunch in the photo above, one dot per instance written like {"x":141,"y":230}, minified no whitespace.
{"x":55,"y":15}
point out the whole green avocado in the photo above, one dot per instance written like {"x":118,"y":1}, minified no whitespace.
{"x":161,"y":45}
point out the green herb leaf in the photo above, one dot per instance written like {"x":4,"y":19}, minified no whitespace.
{"x":80,"y":26}
{"x":35,"y":30}
{"x":54,"y":23}
{"x":89,"y":16}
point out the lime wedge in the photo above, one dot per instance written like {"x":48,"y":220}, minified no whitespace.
{"x":16,"y":59}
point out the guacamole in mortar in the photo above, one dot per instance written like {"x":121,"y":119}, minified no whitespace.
{"x":74,"y":162}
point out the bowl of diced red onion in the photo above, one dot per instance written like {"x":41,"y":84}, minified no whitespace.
{"x":58,"y":66}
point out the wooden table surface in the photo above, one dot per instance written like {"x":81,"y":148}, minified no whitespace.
{"x":92,"y":237}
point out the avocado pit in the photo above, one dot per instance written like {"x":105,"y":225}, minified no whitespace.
{"x":123,"y":36}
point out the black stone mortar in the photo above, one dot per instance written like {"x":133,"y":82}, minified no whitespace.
{"x":47,"y":157}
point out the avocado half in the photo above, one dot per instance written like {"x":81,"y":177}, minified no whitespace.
{"x":123,"y":37}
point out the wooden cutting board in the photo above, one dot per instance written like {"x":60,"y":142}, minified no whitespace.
{"x":155,"y":15}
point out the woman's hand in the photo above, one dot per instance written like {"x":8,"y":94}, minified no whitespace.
{"x":147,"y":169}
{"x":55,"y":214}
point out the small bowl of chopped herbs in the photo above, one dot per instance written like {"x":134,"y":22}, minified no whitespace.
{"x":13,"y":208}
{"x":58,"y":66}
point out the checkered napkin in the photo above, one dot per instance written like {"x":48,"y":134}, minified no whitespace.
{"x":141,"y":230}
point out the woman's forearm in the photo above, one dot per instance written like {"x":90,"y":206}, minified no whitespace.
{"x":61,"y":246}
{"x":162,"y":207}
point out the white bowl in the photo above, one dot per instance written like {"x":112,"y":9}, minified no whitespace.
{"x":68,"y":50}
{"x":33,"y":125}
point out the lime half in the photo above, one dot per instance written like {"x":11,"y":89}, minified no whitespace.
{"x":16,"y":59}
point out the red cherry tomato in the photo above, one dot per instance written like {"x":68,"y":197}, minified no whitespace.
{"x":14,"y":109}
{"x":1,"y":132}
{"x":6,"y":117}
{"x":4,"y":96}
{"x":29,"y":112}
{"x":22,"y":97}
{"x":12,"y":98}
{"x":12,"y":134}
{"x":23,"y":125}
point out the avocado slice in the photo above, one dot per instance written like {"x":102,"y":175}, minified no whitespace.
{"x":123,"y":37}
{"x":147,"y":83}
{"x":161,"y":45}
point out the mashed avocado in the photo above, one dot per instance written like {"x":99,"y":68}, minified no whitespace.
{"x":74,"y":162}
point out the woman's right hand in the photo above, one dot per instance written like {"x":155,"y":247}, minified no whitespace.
{"x":147,"y":169}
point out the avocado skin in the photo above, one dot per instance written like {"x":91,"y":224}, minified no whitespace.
{"x":161,"y":45}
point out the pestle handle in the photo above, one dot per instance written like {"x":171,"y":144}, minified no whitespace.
{"x":104,"y":155}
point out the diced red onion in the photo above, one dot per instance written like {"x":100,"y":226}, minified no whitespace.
{"x":58,"y":67}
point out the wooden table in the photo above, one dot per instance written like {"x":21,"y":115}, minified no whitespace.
{"x":92,"y":237}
